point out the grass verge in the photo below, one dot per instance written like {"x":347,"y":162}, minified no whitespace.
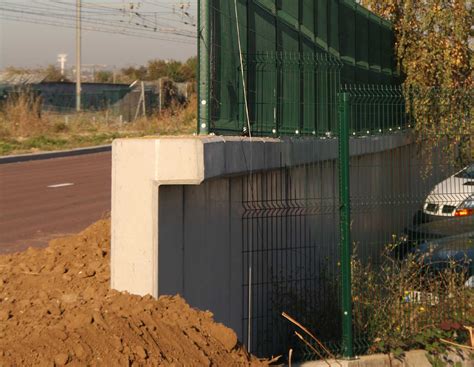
{"x":24,"y":129}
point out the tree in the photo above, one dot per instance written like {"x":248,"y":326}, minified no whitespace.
{"x":157,"y":69}
{"x":130,"y":74}
{"x":174,"y":71}
{"x":53,"y":74}
{"x":433,"y":51}
{"x":104,"y":76}
{"x":189,"y":69}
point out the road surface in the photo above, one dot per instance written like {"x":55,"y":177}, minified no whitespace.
{"x":41,"y":200}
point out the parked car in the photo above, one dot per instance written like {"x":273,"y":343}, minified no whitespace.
{"x":453,"y":197}
{"x":441,"y":242}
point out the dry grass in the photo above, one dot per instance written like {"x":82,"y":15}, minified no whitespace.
{"x":397,"y":301}
{"x":173,"y":121}
{"x":24,"y":128}
{"x":24,"y":116}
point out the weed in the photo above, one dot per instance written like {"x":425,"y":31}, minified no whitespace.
{"x":402,"y":304}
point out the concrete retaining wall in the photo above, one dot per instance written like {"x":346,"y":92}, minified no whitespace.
{"x":177,"y":207}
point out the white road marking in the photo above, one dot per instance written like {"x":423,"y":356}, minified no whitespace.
{"x":61,"y":185}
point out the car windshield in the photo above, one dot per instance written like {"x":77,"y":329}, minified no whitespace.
{"x":467,"y":172}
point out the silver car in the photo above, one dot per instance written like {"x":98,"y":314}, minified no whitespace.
{"x":453,"y":197}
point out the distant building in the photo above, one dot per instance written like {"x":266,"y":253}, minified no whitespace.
{"x":119,"y":99}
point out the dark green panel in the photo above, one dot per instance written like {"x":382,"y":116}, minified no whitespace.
{"x":374,"y":45}
{"x":347,"y":32}
{"x":309,"y":86}
{"x":244,"y":39}
{"x":226,"y":86}
{"x":288,"y":38}
{"x":262,"y":37}
{"x":290,"y":7}
{"x":385,"y":78}
{"x":323,"y":99}
{"x":322,"y":24}
{"x":289,"y":82}
{"x":333,"y":29}
{"x":386,"y":45}
{"x":262,"y":83}
{"x":362,"y":39}
{"x":308,"y":14}
{"x":348,"y":74}
{"x":361,"y":75}
{"x":374,"y":77}
{"x":285,"y":93}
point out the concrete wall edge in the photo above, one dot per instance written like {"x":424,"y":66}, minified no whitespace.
{"x":141,"y":165}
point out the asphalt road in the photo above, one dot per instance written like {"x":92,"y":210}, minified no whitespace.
{"x":41,"y":200}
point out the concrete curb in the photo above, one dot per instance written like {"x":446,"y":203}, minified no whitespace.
{"x":414,"y":358}
{"x":56,"y":154}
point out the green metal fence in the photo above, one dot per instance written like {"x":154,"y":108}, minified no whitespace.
{"x":377,"y":109}
{"x":257,"y":33}
{"x":370,"y":237}
{"x":371,"y":232}
{"x":291,"y":93}
{"x":411,"y":218}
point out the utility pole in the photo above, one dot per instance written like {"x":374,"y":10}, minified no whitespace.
{"x":78,"y":55}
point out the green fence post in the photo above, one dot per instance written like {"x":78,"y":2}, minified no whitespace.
{"x":344,"y":216}
{"x":204,"y":51}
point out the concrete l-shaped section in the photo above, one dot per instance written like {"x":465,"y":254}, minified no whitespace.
{"x":141,"y":166}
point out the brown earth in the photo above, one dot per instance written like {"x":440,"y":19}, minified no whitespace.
{"x":56,"y":308}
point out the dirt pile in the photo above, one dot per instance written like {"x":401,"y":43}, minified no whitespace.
{"x":56,"y":308}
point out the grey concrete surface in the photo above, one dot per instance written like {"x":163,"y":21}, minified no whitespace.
{"x":180,"y":222}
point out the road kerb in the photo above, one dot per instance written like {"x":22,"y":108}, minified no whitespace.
{"x":55,"y":154}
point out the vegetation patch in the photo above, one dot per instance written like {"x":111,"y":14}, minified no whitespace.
{"x":404,"y":304}
{"x":24,"y":128}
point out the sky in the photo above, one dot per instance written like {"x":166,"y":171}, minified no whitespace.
{"x":37,"y":45}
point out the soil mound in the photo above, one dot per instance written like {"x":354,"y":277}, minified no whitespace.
{"x":56,"y":308}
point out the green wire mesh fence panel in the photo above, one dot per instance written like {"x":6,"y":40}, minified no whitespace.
{"x":377,"y":109}
{"x":264,"y":104}
{"x":340,"y":28}
{"x":299,"y":96}
{"x":290,"y":257}
{"x":411,"y":226}
{"x":289,"y":97}
{"x":412,"y":214}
